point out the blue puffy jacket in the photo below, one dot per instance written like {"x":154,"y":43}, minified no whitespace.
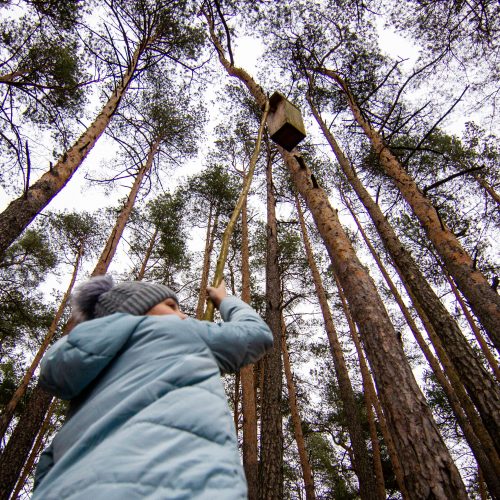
{"x":149,"y":415}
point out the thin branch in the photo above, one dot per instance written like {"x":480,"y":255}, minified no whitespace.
{"x":426,"y":136}
{"x":451,"y":177}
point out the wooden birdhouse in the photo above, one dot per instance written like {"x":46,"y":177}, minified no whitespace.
{"x":285,"y":122}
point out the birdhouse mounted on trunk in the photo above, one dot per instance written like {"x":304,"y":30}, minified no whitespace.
{"x":285,"y":122}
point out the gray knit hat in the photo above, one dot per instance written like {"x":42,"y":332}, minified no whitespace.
{"x":100,"y":297}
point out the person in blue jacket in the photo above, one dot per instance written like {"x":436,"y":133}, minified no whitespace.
{"x":148,"y":414}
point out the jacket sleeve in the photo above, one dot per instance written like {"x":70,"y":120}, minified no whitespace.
{"x":76,"y":360}
{"x":242,"y":339}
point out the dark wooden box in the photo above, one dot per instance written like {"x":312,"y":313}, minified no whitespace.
{"x":285,"y":122}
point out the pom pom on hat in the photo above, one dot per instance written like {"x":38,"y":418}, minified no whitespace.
{"x":86,"y":295}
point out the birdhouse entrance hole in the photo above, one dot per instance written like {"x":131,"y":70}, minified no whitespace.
{"x":285,"y":122}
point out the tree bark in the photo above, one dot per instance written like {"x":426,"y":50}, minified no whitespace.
{"x":147,"y":256}
{"x":17,"y":450}
{"x":428,"y":468}
{"x":35,"y":451}
{"x":249,"y":410}
{"x":114,"y":238}
{"x":362,"y":464}
{"x":484,"y":301}
{"x":491,"y":467}
{"x":207,"y":254}
{"x":480,"y":385}
{"x":475,"y":330}
{"x":236,"y":403}
{"x":296,"y":420}
{"x":371,"y":396}
{"x":10,"y":408}
{"x":488,"y":189}
{"x":271,"y":436}
{"x":20,"y":212}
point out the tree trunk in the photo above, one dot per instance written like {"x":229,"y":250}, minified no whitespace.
{"x":10,"y":408}
{"x":271,"y":449}
{"x":475,"y":330}
{"x":147,"y":256}
{"x":35,"y":451}
{"x":371,"y":396}
{"x":17,"y":450}
{"x":362,"y":463}
{"x":20,"y":212}
{"x":479,"y":383}
{"x":408,"y":416}
{"x":428,"y":468}
{"x":296,"y":420}
{"x":114,"y":238}
{"x":236,"y":403}
{"x":207,"y":254}
{"x":488,"y":189}
{"x":249,"y":410}
{"x":491,"y":467}
{"x":485,"y":302}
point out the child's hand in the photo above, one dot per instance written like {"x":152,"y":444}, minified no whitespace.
{"x":217,"y":294}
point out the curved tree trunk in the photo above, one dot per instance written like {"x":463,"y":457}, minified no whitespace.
{"x":114,"y":238}
{"x":21,"y":441}
{"x":249,"y":410}
{"x":484,"y":301}
{"x":296,"y":420}
{"x":20,"y":212}
{"x":408,"y":416}
{"x":271,"y":436}
{"x":10,"y":408}
{"x":490,"y":467}
{"x":35,"y":451}
{"x":362,"y":464}
{"x":480,"y":385}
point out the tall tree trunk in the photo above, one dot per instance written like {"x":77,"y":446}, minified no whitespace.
{"x":485,"y":302}
{"x":17,"y":450}
{"x":488,"y":188}
{"x":296,"y":420}
{"x":236,"y":403}
{"x":35,"y":451}
{"x":475,"y":329}
{"x":207,"y":254}
{"x":407,"y":413}
{"x":371,"y":396}
{"x":20,"y":212}
{"x":114,"y":238}
{"x":362,"y":464}
{"x":11,"y":406}
{"x":491,"y":467}
{"x":147,"y":256}
{"x":249,"y":410}
{"x":271,"y":436}
{"x":428,"y":468}
{"x":479,"y":383}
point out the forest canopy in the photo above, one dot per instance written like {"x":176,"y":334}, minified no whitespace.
{"x":137,"y":139}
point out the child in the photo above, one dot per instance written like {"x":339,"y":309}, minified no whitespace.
{"x":148,"y":415}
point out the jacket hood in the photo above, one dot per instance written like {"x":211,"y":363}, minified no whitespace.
{"x":73,"y":362}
